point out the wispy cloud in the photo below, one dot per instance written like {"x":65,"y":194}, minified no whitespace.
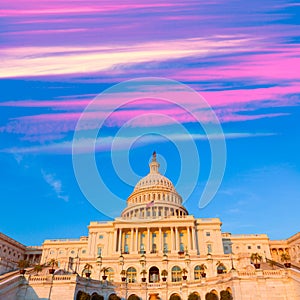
{"x":41,"y":61}
{"x":55,"y":184}
{"x":85,"y":145}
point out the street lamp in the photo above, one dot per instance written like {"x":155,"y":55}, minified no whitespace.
{"x":187,"y":257}
{"x":165,"y":257}
{"x":232,"y":266}
{"x":99,"y":263}
{"x":143,"y":260}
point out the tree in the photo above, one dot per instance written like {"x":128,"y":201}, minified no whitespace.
{"x":22,"y":264}
{"x":285,"y":257}
{"x":53,"y":263}
{"x":38,"y":268}
{"x":256,"y":258}
{"x":104,"y":270}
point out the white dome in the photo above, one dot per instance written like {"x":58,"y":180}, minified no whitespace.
{"x":154,"y":180}
{"x":154,"y":196}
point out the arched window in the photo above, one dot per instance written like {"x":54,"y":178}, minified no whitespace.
{"x":221,"y":268}
{"x":176,"y":274}
{"x":131,"y":275}
{"x":110,"y":274}
{"x":197,"y":272}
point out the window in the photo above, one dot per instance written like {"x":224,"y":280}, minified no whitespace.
{"x":165,"y":247}
{"x":249,"y":247}
{"x":126,"y":249}
{"x":99,"y":251}
{"x":110,"y":274}
{"x":181,"y":247}
{"x":131,"y":275}
{"x":209,"y":248}
{"x":83,"y":251}
{"x":207,"y":233}
{"x":258,"y":247}
{"x":100,"y":237}
{"x":176,"y":274}
{"x":198,"y":271}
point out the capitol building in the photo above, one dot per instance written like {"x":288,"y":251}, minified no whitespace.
{"x":156,"y":250}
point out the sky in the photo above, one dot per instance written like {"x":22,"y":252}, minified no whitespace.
{"x":89,"y":89}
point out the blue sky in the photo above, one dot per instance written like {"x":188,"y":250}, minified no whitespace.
{"x":242,"y":58}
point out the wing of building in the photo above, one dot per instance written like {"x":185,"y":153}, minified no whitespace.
{"x":156,"y":250}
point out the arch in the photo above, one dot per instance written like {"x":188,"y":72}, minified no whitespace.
{"x":194,"y":296}
{"x":113,"y":297}
{"x":154,"y":274}
{"x":176,"y":274}
{"x":213,"y":295}
{"x":96,"y":296}
{"x":82,"y":296}
{"x":225,"y":295}
{"x":131,"y":274}
{"x":133,"y":297}
{"x":175,"y":296}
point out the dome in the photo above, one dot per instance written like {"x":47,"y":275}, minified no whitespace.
{"x":154,"y":180}
{"x":153,"y":196}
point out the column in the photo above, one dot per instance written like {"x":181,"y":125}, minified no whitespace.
{"x":148,"y":240}
{"x":120,"y":241}
{"x":115,"y":240}
{"x":137,"y":239}
{"x":176,"y":239}
{"x":195,"y":246}
{"x":172,"y":238}
{"x":131,"y":241}
{"x":160,"y":240}
{"x":189,"y":238}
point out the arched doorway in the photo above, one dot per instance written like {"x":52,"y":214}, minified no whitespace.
{"x":133,"y":297}
{"x":113,"y":297}
{"x":226,"y":295}
{"x":194,"y":296}
{"x":96,"y":296}
{"x":213,"y":295}
{"x":153,"y":274}
{"x":175,"y":297}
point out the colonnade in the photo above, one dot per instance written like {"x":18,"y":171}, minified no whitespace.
{"x":155,"y":240}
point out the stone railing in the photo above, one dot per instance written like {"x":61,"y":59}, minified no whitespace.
{"x":36,"y":278}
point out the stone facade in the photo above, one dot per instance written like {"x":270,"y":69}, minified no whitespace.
{"x":156,"y":250}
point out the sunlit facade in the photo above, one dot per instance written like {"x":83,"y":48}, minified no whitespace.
{"x":156,"y":250}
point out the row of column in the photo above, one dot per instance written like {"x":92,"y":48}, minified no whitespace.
{"x":134,"y":235}
{"x":154,"y":212}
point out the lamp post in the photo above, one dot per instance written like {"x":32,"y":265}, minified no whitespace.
{"x":232,"y":266}
{"x":99,"y":263}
